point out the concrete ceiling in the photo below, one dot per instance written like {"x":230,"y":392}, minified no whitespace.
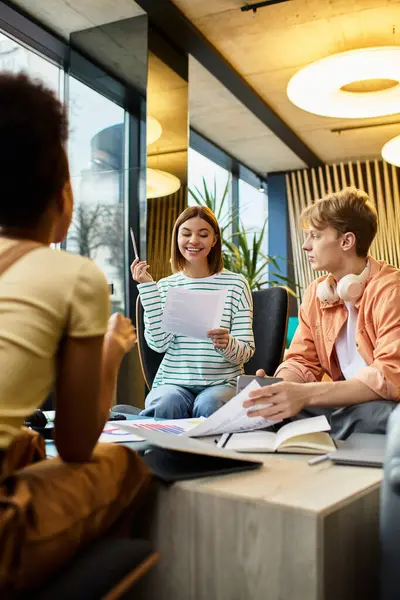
{"x":67,"y":16}
{"x":269,"y":47}
{"x":266,"y":49}
{"x":229,"y":124}
{"x":219,"y":116}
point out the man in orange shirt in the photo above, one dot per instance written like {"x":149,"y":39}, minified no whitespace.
{"x":349,"y":326}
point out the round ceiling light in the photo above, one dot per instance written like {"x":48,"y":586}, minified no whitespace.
{"x":391,"y":151}
{"x":352,"y":85}
{"x":153,"y":130}
{"x":161,"y":183}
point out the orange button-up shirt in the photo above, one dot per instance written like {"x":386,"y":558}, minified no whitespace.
{"x":312,"y":351}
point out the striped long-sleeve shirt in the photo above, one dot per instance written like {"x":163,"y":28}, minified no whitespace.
{"x":188,"y":362}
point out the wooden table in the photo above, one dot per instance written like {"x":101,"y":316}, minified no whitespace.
{"x":285,"y":532}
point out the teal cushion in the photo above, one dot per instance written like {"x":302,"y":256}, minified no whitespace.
{"x":292,"y":326}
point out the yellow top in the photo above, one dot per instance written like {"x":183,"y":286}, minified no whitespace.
{"x":45,"y":295}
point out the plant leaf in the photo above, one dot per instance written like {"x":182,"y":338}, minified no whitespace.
{"x":241,"y":250}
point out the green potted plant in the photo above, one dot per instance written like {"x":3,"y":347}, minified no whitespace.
{"x":209,"y":198}
{"x":240,"y":256}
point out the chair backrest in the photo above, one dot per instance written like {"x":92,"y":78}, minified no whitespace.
{"x":269,"y":325}
{"x":107,"y":568}
{"x":271,"y":309}
{"x":149,"y":359}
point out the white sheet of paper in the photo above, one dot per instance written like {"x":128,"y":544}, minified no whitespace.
{"x":113,"y":433}
{"x":193,"y":313}
{"x":232,"y":417}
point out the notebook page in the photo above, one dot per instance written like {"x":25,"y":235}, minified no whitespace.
{"x":301,"y":427}
{"x":317,"y":442}
{"x":251,"y":441}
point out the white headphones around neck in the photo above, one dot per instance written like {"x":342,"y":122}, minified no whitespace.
{"x":350,"y":288}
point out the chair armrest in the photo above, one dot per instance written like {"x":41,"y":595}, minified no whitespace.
{"x":105,"y":569}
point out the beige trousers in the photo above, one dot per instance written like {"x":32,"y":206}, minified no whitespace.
{"x":50,"y":509}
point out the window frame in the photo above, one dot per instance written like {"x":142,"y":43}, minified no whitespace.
{"x":39,"y":39}
{"x":236,"y":169}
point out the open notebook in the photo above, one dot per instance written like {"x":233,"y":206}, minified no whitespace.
{"x":306,"y":436}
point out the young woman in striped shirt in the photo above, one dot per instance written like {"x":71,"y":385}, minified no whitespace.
{"x":196,"y":377}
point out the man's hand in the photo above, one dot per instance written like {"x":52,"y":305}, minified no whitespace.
{"x":261,"y":373}
{"x":286,"y":400}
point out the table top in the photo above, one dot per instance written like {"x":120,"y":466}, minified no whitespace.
{"x":289,"y":481}
{"x":286,"y":480}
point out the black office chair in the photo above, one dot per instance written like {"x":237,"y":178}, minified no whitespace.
{"x":106,"y":570}
{"x":149,"y":359}
{"x":270,"y":321}
{"x":390,"y":513}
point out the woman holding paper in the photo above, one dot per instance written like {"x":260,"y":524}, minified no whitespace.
{"x":196,"y":376}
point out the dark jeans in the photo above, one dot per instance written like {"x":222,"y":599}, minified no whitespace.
{"x":368,"y":417}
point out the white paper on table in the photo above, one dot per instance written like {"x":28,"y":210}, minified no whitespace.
{"x":193,"y":313}
{"x":232,"y":417}
{"x":130,"y":430}
{"x":113,"y":433}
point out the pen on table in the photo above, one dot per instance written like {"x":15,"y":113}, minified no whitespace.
{"x":134,"y":243}
{"x":223,"y":440}
{"x":319,"y":459}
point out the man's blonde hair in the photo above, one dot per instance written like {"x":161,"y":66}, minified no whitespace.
{"x":349,"y":210}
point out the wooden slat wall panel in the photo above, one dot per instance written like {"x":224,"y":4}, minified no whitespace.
{"x":161,"y":216}
{"x":380,"y":180}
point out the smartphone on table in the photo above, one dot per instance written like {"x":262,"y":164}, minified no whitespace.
{"x":244,"y":380}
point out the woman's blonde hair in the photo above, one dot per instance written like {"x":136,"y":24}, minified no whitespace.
{"x":349,"y":210}
{"x":215,"y":256}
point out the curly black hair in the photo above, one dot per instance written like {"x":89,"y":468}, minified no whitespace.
{"x":33,"y":163}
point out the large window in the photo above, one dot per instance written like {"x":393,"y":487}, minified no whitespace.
{"x":249,"y":211}
{"x":16,"y":58}
{"x":253,"y":214}
{"x":96,"y":155}
{"x":215,"y":178}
